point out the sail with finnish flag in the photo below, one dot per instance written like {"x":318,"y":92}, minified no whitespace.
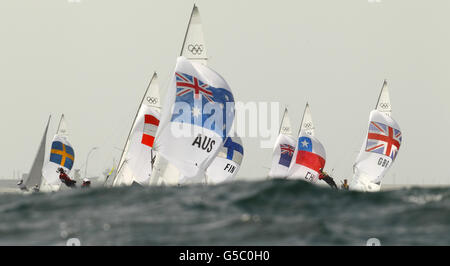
{"x":62,"y":155}
{"x":226,"y":164}
{"x":309,"y":156}
{"x":196,"y":119}
{"x":283,"y":150}
{"x":136,"y":162}
{"x":380,"y":147}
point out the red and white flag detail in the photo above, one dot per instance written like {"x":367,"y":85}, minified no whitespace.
{"x":151,"y":124}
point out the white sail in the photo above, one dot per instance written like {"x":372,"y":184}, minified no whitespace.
{"x":378,"y":152}
{"x":62,"y":155}
{"x":384,"y":102}
{"x":285,"y":127}
{"x":307,"y":125}
{"x":194,"y":47}
{"x":309,"y":156}
{"x":226,"y":164}
{"x":136,"y":162}
{"x":283,"y":149}
{"x":62,"y":127}
{"x":196,"y":118}
{"x":380,"y":147}
{"x":35,"y":175}
{"x":164,"y":173}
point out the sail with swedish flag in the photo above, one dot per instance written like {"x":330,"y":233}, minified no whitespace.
{"x":62,"y":155}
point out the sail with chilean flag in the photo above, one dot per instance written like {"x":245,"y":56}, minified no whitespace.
{"x":62,"y":155}
{"x":283,"y":150}
{"x":196,"y":118}
{"x":380,"y":147}
{"x":309,"y":156}
{"x":226,"y":164}
{"x":136,"y":162}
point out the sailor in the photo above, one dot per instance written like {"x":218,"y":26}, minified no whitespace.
{"x":344,"y":185}
{"x":325,"y":177}
{"x":20,"y":182}
{"x":86,"y":183}
{"x":65,"y":178}
{"x":36,"y":188}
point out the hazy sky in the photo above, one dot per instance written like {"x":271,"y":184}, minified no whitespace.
{"x":92,"y":60}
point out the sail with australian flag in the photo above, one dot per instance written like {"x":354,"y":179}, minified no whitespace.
{"x":309,"y":156}
{"x":226,"y":164}
{"x":196,"y":118}
{"x":136,"y":162}
{"x":194,"y":49}
{"x":62,"y":155}
{"x":283,"y":149}
{"x":380,"y":147}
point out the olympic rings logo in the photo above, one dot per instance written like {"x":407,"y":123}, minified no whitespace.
{"x":195,"y":49}
{"x":285,"y":128}
{"x":308,"y":125}
{"x":152,"y":100}
{"x":384,"y":105}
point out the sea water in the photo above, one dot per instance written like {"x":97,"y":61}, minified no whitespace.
{"x":272,"y":212}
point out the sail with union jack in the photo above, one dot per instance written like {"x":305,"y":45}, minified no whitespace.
{"x":287,"y":151}
{"x":383,"y":139}
{"x":198,"y":94}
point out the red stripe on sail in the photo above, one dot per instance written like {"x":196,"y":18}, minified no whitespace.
{"x":149,"y":119}
{"x":310,"y":160}
{"x":148,"y":140}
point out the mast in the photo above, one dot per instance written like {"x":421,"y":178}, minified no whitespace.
{"x":59,"y":125}
{"x":187,"y":29}
{"x":132,"y":125}
{"x":381,"y":92}
{"x":282,"y":119}
{"x":303,"y":118}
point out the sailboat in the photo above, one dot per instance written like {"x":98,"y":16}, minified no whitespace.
{"x":137,"y":159}
{"x":309,"y":156}
{"x":194,"y":50}
{"x":283,"y":149}
{"x":380,"y":147}
{"x":34,"y":179}
{"x":62,"y":155}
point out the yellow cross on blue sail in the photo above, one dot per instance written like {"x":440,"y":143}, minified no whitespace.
{"x":62,"y":154}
